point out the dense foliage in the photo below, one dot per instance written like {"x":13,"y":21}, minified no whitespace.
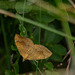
{"x":10,"y":60}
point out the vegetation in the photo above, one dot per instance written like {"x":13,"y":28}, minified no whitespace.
{"x":49,"y":23}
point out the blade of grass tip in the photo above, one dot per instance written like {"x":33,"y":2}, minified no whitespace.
{"x":6,"y":44}
{"x":38,"y":68}
{"x":36,"y":24}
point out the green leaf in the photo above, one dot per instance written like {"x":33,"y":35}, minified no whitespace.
{"x":49,"y":65}
{"x":36,"y":35}
{"x":56,"y":57}
{"x":54,"y":15}
{"x":45,"y":19}
{"x":23,"y":31}
{"x":14,"y":48}
{"x":9,"y":72}
{"x":51,"y":37}
{"x":30,"y":74}
{"x":16,"y":68}
{"x":59,"y":50}
{"x":4,"y":4}
{"x":51,"y":72}
{"x":20,"y":7}
{"x":48,"y":72}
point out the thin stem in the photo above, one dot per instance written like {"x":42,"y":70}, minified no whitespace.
{"x":38,"y":68}
{"x":39,"y":36}
{"x":23,"y":10}
{"x":45,"y":27}
{"x":39,"y":27}
{"x":36,"y":24}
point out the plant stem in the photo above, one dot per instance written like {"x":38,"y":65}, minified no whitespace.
{"x":39,"y":36}
{"x":39,"y":27}
{"x":6,"y":44}
{"x":36,"y":24}
{"x":44,"y":27}
{"x":66,"y":27}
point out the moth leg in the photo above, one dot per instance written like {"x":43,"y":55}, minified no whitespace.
{"x":36,"y":61}
{"x":25,"y":56}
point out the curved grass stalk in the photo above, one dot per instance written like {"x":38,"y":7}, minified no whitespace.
{"x":44,"y":27}
{"x":36,"y":24}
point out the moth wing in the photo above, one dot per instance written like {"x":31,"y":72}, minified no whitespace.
{"x":39,"y":52}
{"x":37,"y":56}
{"x":46,"y":52}
{"x":23,"y":39}
{"x":22,"y":50}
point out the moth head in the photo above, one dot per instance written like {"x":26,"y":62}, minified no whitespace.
{"x":17,"y":37}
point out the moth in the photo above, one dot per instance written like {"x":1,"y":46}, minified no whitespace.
{"x":30,"y":51}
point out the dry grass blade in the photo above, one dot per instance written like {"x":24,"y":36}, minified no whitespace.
{"x":7,"y":13}
{"x":72,"y":3}
{"x":56,"y":11}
